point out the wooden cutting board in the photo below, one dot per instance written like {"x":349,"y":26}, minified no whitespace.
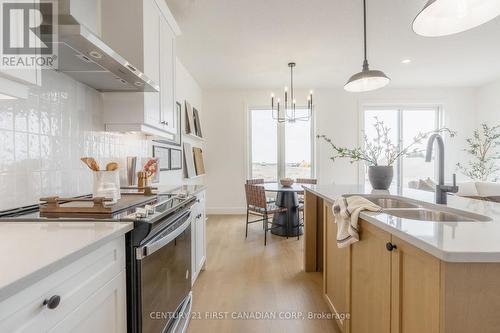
{"x":198,"y":161}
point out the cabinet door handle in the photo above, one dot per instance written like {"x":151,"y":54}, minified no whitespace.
{"x":52,"y":302}
{"x":390,"y":247}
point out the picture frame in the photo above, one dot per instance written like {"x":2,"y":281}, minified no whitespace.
{"x":175,"y":159}
{"x":163,"y":156}
{"x":190,"y":170}
{"x":177,"y":137}
{"x":189,"y":126}
{"x":197,"y":123}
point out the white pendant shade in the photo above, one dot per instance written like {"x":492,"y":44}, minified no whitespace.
{"x":447,"y":17}
{"x":367,"y":81}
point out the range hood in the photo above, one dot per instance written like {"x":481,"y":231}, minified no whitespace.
{"x":86,"y":58}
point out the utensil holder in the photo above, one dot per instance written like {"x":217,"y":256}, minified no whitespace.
{"x":107,"y":185}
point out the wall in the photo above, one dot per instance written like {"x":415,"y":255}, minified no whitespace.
{"x":186,"y":89}
{"x":43,"y":137}
{"x":337,"y":115}
{"x":488,"y":103}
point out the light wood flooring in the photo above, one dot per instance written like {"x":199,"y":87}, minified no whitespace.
{"x":245,"y":278}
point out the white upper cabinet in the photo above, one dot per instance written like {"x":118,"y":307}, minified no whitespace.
{"x":28,"y":75}
{"x":167,"y":76}
{"x":143,"y":32}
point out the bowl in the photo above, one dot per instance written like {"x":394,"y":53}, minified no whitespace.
{"x":286,"y":182}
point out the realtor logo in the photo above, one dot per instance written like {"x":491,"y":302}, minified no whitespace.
{"x":28,"y":34}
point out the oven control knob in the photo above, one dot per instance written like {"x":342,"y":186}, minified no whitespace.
{"x":141,"y":213}
{"x":150,"y":209}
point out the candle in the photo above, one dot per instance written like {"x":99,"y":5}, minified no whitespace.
{"x":311,"y":95}
{"x":286,"y":97}
{"x":272,"y":101}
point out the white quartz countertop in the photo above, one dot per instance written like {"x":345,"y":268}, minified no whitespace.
{"x":30,"y":251}
{"x":448,"y":241}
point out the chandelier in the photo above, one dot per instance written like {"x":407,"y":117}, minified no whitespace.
{"x":287,"y":112}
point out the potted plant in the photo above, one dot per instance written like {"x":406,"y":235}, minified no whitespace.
{"x":380,"y":149}
{"x":483,"y":148}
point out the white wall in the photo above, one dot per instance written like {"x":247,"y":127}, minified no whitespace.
{"x":488,"y":103}
{"x":43,"y":137}
{"x":186,"y":89}
{"x":337,"y":114}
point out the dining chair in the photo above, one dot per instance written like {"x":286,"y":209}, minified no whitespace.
{"x":301,"y":201}
{"x":305,"y":181}
{"x":260,"y":181}
{"x":258,"y":205}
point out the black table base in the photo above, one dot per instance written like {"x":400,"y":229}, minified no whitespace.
{"x":286,"y":224}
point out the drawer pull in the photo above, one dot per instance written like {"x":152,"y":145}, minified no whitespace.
{"x":390,"y":247}
{"x":52,"y":302}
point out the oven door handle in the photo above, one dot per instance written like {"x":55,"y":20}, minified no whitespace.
{"x":156,"y":244}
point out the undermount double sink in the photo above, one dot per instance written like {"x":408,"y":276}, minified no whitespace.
{"x":423,"y":211}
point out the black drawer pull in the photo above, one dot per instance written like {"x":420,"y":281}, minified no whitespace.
{"x":52,"y":302}
{"x":390,"y":247}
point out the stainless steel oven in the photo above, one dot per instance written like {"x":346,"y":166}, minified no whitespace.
{"x":163,"y":272}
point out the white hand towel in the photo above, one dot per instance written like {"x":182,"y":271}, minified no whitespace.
{"x":346,"y":212}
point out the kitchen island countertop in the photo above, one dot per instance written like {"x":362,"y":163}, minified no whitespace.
{"x":448,"y":241}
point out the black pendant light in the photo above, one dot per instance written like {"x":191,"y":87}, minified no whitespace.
{"x":367,"y":79}
{"x":448,"y":17}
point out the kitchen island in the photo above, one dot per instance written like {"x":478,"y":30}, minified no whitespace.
{"x":407,"y":275}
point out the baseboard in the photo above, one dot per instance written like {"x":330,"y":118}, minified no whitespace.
{"x":226,"y":210}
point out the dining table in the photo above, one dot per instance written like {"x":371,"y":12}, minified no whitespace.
{"x":286,"y":223}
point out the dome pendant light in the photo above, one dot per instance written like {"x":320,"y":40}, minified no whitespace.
{"x":367,"y":79}
{"x":448,"y":17}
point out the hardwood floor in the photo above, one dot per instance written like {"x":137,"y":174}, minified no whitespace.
{"x":245,"y":278}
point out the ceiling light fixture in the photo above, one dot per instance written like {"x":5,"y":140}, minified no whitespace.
{"x":287,"y":113}
{"x":367,"y":79}
{"x":448,"y":17}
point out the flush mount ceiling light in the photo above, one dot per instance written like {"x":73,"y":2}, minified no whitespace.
{"x":367,"y":79}
{"x":287,"y":113}
{"x":448,"y":17}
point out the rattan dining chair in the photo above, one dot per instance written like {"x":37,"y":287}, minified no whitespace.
{"x":260,"y":181}
{"x":301,"y":202}
{"x":305,"y":181}
{"x":257,"y":205}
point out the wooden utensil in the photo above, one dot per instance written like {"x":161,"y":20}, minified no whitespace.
{"x":112,"y":166}
{"x":91,"y":163}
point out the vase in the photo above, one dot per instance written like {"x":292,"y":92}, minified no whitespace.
{"x":380,"y":176}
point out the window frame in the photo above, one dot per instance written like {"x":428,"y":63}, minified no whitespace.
{"x":281,"y":145}
{"x":400,"y":108}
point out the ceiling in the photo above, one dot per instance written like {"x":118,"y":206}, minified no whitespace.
{"x":246,"y":44}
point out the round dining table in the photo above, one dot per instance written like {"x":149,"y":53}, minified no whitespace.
{"x":286,"y":223}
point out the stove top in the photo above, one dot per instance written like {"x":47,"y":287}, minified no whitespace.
{"x":130,"y":208}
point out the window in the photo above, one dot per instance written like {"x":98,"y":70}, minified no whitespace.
{"x":405,"y":123}
{"x":279,"y":150}
{"x":264,"y":146}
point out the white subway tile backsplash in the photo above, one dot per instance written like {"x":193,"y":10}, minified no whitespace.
{"x":43,"y":137}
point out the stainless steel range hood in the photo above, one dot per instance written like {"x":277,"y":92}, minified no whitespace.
{"x":86,"y":58}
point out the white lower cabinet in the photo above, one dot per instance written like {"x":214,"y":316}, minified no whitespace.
{"x":91,"y":293}
{"x":198,"y":236}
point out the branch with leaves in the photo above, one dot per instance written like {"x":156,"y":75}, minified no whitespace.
{"x":483,"y":147}
{"x":381,"y":147}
